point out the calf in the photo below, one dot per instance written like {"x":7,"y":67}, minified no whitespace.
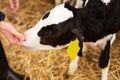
{"x":97,"y":22}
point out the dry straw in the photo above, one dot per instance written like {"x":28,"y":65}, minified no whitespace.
{"x":52,"y":65}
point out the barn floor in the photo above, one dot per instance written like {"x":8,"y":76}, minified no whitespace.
{"x":53,"y":64}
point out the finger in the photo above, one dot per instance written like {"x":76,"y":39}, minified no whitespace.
{"x":8,"y":36}
{"x":10,"y":29}
{"x":17,"y":4}
{"x":14,"y":6}
{"x":17,"y":34}
{"x":11,"y":3}
{"x":17,"y":42}
{"x":14,"y":40}
{"x":11,"y":38}
{"x":20,"y":36}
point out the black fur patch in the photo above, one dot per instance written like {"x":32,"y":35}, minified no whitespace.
{"x":57,"y":34}
{"x":91,"y":20}
{"x":83,"y":5}
{"x":97,"y":19}
{"x":104,"y":57}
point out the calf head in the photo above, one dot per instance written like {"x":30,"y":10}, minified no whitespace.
{"x":54,"y":30}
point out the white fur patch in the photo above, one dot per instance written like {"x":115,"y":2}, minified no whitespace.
{"x":106,"y":1}
{"x":73,"y":66}
{"x":113,"y":39}
{"x":57,"y":15}
{"x":86,"y":2}
{"x":105,"y":74}
{"x":101,"y":42}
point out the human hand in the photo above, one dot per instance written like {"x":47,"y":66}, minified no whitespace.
{"x":10,"y":33}
{"x":14,"y":6}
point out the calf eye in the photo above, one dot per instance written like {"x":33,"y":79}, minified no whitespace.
{"x":46,"y":15}
{"x":51,"y":32}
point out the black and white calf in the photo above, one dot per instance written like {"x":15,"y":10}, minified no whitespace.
{"x":97,"y":22}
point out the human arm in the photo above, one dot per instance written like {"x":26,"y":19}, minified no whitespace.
{"x":8,"y":30}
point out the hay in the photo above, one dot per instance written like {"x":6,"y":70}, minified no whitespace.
{"x":53,"y":64}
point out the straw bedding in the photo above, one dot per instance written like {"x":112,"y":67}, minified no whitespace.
{"x":53,"y":64}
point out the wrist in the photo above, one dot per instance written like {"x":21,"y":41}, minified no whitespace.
{"x":2,"y":16}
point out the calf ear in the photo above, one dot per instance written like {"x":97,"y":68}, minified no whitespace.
{"x":78,"y":33}
{"x":71,"y":8}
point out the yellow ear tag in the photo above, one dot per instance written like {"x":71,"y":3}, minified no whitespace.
{"x":73,"y":49}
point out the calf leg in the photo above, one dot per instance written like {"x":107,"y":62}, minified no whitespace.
{"x":74,"y":64}
{"x":104,"y":58}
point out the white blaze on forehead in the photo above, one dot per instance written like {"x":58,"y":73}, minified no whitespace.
{"x":57,"y":15}
{"x":60,"y":14}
